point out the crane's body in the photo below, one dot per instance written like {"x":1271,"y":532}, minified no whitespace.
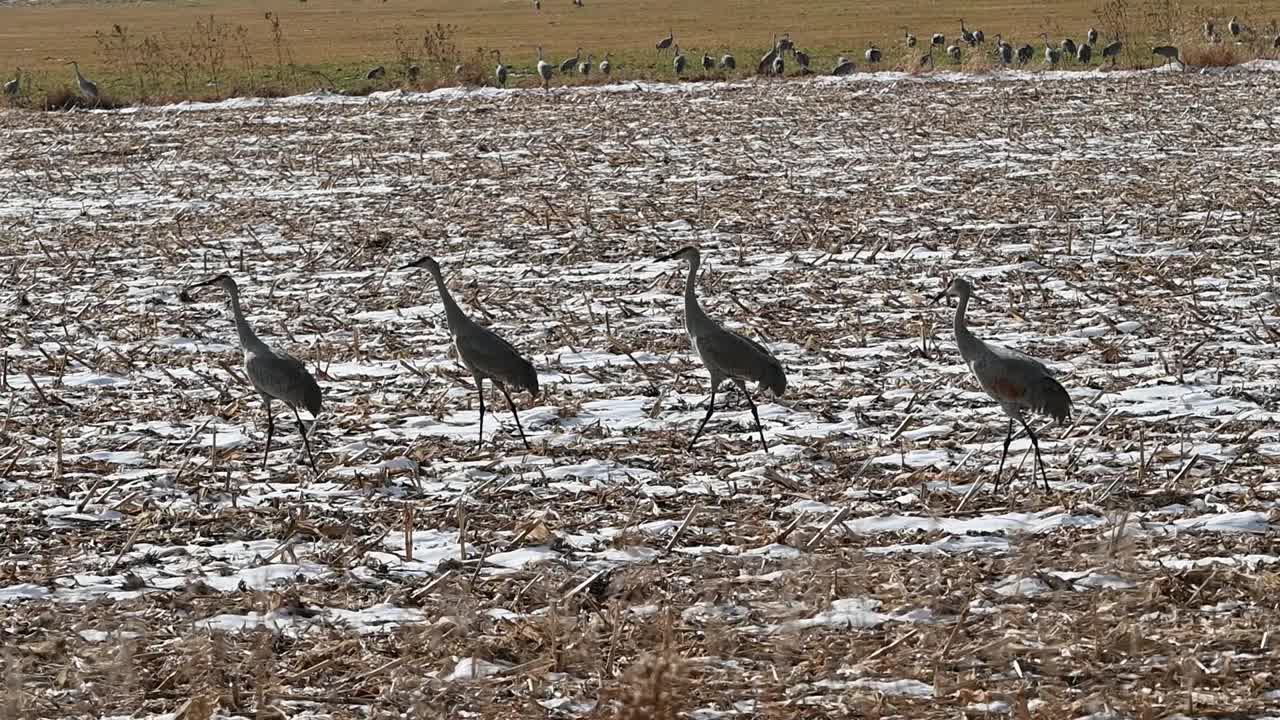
{"x":13,"y":86}
{"x":1018,"y":382}
{"x":802,"y":60}
{"x":1025,"y":53}
{"x":544,"y":70}
{"x":1004,"y":50}
{"x":585,"y":68}
{"x":1210,"y":34}
{"x":1234,"y":26}
{"x":938,"y":40}
{"x":725,"y":354}
{"x":606,"y":67}
{"x":1091,"y":37}
{"x":766,"y":62}
{"x":779,"y":67}
{"x":376,"y":73}
{"x":482,"y":351}
{"x":571,"y":64}
{"x":727,"y":62}
{"x":844,"y":66}
{"x":500,"y":72}
{"x":967,"y":36}
{"x":679,"y":62}
{"x":1169,"y":53}
{"x":88,"y":88}
{"x":1112,"y":51}
{"x":1068,"y":48}
{"x":708,"y":63}
{"x":873,"y":55}
{"x":954,"y":52}
{"x":909,"y":39}
{"x":275,"y":375}
{"x":665,"y":42}
{"x":1084,"y":53}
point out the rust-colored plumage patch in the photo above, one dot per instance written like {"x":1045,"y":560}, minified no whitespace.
{"x":1006,"y":389}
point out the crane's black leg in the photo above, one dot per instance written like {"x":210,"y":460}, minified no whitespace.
{"x":1008,"y":438}
{"x":755,"y":414}
{"x":271,"y":427}
{"x":302,"y":428}
{"x":507,"y":395}
{"x":1035,"y":445}
{"x":480,"y":390}
{"x":711,"y":407}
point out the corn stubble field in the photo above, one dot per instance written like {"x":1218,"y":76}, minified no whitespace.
{"x":1115,"y":226}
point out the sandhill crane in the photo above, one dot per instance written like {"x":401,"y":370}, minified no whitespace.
{"x":458,"y":69}
{"x":708,"y":63}
{"x":766,"y":62}
{"x":926,"y":59}
{"x":1112,"y":51}
{"x":1091,"y":37}
{"x":873,"y":55}
{"x":938,"y":40}
{"x":544,"y":70}
{"x":979,"y":37}
{"x":1018,"y":382}
{"x":578,"y":3}
{"x":376,"y":73}
{"x":537,"y":5}
{"x":1210,"y":33}
{"x":606,"y":67}
{"x":571,"y":64}
{"x":585,"y":68}
{"x":844,"y":66}
{"x":965,"y":35}
{"x":1234,"y":27}
{"x":725,"y":354}
{"x":12,"y":87}
{"x":500,"y":72}
{"x":1051,"y":54}
{"x":1025,"y":53}
{"x":275,"y":375}
{"x":1084,"y":53}
{"x":954,"y":52}
{"x":1169,"y":53}
{"x":1068,"y":48}
{"x":785,"y":43}
{"x":413,"y":71}
{"x":727,"y":62}
{"x":1004,"y":50}
{"x":87,"y":87}
{"x":665,"y":42}
{"x":679,"y":62}
{"x":779,"y":67}
{"x":802,"y":60}
{"x":481,"y":350}
{"x":1276,"y":43}
{"x":909,"y":39}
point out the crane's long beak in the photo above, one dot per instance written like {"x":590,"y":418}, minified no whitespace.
{"x":671,"y":256}
{"x":410,"y":266}
{"x":938,"y":297}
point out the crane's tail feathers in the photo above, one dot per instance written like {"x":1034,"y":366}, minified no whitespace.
{"x":1055,"y":401}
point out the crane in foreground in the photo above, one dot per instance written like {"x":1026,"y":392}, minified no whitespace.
{"x":1017,"y":381}
{"x":726,"y":354}
{"x":275,"y":375}
{"x":88,"y":88}
{"x":482,"y":352}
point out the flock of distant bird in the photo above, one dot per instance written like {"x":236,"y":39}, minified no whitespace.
{"x":773,"y":63}
{"x":1019,"y":383}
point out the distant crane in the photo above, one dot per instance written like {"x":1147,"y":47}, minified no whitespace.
{"x":1234,"y":27}
{"x":909,"y":39}
{"x":1091,"y":37}
{"x":938,"y":40}
{"x":1018,"y":382}
{"x":954,"y":52}
{"x":1169,"y":53}
{"x":1112,"y":51}
{"x":1004,"y":50}
{"x":11,"y":88}
{"x":785,"y":44}
{"x":966,"y":35}
{"x":87,"y":87}
{"x":275,"y":375}
{"x":873,"y":55}
{"x":1084,"y":53}
{"x":727,"y":62}
{"x":585,"y":68}
{"x":606,"y":67}
{"x":1069,"y":48}
{"x":708,"y":63}
{"x":979,"y":37}
{"x":766,"y":62}
{"x":500,"y":72}
{"x":481,"y":350}
{"x":926,"y":59}
{"x":537,"y":5}
{"x":1276,"y":43}
{"x":844,"y":66}
{"x":1210,"y":33}
{"x":726,"y":354}
{"x":1052,"y":55}
{"x":413,"y":72}
{"x":779,"y":67}
{"x":665,"y":42}
{"x":571,"y":64}
{"x":544,"y":70}
{"x":1025,"y":53}
{"x":679,"y":62}
{"x":802,"y":60}
{"x":578,"y":3}
{"x":376,"y":74}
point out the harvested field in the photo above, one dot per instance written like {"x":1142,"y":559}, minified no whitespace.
{"x":1120,"y":226}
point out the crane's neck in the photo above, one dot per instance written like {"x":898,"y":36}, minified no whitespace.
{"x":452,"y":313}
{"x":248,"y":339}
{"x":694,"y":317}
{"x":970,"y":346}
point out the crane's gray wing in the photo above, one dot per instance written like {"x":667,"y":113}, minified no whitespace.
{"x":285,"y":378}
{"x":488,"y":355}
{"x":727,"y":353}
{"x":1010,"y":355}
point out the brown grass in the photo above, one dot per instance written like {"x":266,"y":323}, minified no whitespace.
{"x":1215,"y":55}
